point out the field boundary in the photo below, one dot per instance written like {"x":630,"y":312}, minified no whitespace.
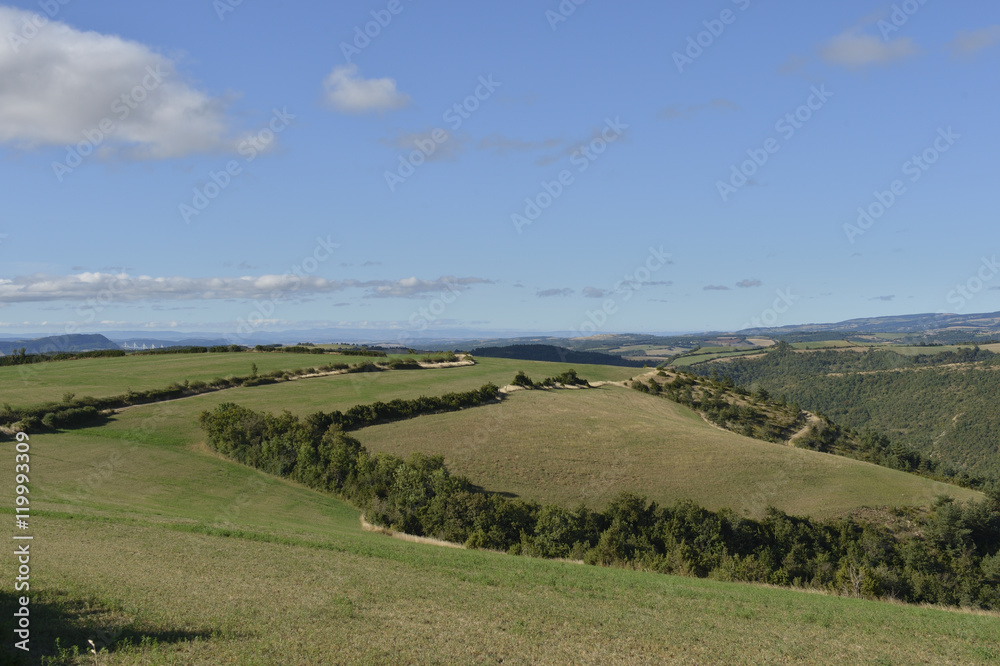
{"x":403,"y":536}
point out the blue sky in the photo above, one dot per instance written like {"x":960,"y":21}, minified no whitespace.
{"x":532,"y":166}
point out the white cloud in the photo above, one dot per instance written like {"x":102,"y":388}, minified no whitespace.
{"x":749,"y":283}
{"x":412,"y":286}
{"x":63,"y":82}
{"x":855,"y":49}
{"x":967,"y":43}
{"x":346,"y":91}
{"x":122,"y":287}
{"x":548,"y":293}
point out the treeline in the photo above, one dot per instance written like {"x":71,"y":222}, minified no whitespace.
{"x":728,"y":406}
{"x":947,"y":557}
{"x":755,"y":414}
{"x":191,"y":349}
{"x":568,"y":378}
{"x":554,"y":354}
{"x":20,"y":357}
{"x":944,"y":412}
{"x":362,"y":416}
{"x":75,"y":412}
{"x":310,"y":349}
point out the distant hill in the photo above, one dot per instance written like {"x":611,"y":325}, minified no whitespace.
{"x":942,"y":404}
{"x":142,"y":343}
{"x":915,"y":323}
{"x":554,"y":354}
{"x":58,"y":343}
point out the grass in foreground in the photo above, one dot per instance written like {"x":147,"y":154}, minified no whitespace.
{"x":365,"y":598}
{"x":142,"y":552}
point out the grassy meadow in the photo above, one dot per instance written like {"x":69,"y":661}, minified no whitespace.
{"x":25,"y":385}
{"x":148,"y":541}
{"x":572,"y":446}
{"x":31,"y":384}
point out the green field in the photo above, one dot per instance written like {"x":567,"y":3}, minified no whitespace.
{"x":703,"y":355}
{"x":27,"y":385}
{"x":141,"y":531}
{"x":98,"y":377}
{"x":574,"y":446}
{"x":823,"y":344}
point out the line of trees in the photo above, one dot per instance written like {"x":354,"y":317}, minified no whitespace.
{"x":949,"y":556}
{"x":568,"y":378}
{"x":76,"y":412}
{"x":755,"y":414}
{"x":941,"y":406}
{"x":20,"y":357}
{"x":362,"y":416}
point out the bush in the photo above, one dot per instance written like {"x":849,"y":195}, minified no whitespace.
{"x":523,"y":380}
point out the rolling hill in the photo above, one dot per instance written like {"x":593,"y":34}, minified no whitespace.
{"x":166,"y":553}
{"x":573,"y":446}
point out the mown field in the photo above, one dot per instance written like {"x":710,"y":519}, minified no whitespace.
{"x":572,"y":446}
{"x":708,"y":354}
{"x":143,"y":534}
{"x":25,"y":385}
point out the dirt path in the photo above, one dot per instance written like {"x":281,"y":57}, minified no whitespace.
{"x":811,"y":420}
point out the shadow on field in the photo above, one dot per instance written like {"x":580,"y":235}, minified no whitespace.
{"x":501,"y":493}
{"x":61,"y":626}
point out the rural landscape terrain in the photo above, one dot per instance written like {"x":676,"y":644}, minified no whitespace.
{"x":319,"y":503}
{"x":557,"y":332}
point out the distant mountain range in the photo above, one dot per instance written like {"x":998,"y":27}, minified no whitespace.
{"x":58,"y":343}
{"x":79,"y":342}
{"x":915,"y":323}
{"x":929,"y":325}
